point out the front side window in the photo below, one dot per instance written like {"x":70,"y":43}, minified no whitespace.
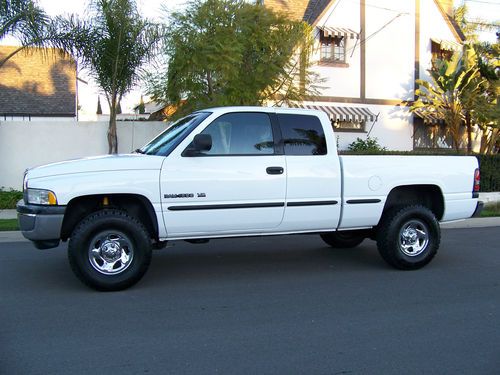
{"x":241,"y":134}
{"x":164,"y":143}
{"x":302,"y":134}
{"x":332,"y":48}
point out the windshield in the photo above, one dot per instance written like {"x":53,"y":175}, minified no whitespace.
{"x":164,"y":143}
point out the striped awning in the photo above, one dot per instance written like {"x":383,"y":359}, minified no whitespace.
{"x":339,"y":31}
{"x":429,"y":117}
{"x":341,"y":113}
{"x":447,"y":45}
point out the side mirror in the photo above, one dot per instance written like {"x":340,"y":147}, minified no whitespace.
{"x":200,"y":143}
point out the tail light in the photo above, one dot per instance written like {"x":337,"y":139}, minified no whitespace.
{"x":477,"y":183}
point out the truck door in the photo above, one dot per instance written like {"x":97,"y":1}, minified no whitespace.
{"x":313,"y":197}
{"x":236,"y":187}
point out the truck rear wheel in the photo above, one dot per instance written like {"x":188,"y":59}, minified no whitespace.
{"x":343,"y":239}
{"x":109,"y":250}
{"x":408,"y":237}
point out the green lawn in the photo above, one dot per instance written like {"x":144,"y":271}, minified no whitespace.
{"x":8,"y":224}
{"x":491,"y":211}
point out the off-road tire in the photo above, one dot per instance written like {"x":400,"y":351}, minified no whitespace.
{"x":97,"y":225}
{"x":391,"y":237}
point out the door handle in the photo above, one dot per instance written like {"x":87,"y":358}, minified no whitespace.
{"x":274,"y":170}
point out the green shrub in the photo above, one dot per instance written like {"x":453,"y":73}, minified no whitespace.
{"x":8,"y":199}
{"x":368,"y":145}
{"x":490,"y":172}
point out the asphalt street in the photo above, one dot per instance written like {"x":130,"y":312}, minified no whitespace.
{"x":280,"y":305}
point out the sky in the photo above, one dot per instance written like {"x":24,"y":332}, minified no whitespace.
{"x":152,"y":9}
{"x":149,"y":8}
{"x":487,"y":10}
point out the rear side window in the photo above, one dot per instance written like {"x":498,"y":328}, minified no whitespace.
{"x":241,"y":134}
{"x":302,"y":134}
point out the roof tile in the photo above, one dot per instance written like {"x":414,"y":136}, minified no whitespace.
{"x":37,"y":82}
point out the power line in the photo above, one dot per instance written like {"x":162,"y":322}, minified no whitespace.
{"x":377,"y":31}
{"x":378,"y":7}
{"x":372,"y":34}
{"x":331,"y":12}
{"x":482,"y":2}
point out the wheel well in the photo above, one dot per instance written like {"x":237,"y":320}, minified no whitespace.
{"x":429,"y":196}
{"x":135,"y":205}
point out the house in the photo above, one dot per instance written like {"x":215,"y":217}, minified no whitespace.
{"x":37,"y":84}
{"x":370,"y":53}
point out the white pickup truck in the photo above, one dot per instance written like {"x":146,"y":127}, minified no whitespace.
{"x":241,"y":171}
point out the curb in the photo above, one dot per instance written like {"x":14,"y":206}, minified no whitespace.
{"x":477,"y":222}
{"x":12,"y":236}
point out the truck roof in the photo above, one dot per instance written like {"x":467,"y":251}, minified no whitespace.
{"x":262,"y":109}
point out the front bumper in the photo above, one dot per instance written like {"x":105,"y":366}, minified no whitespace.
{"x":41,"y":224}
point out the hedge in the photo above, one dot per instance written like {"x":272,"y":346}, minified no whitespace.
{"x":8,"y":199}
{"x":489,"y":164}
{"x":490,"y":172}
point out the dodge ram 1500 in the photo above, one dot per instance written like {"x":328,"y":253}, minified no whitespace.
{"x":242,"y":171}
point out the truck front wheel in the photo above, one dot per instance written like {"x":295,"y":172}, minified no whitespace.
{"x":109,"y":250}
{"x":408,"y":237}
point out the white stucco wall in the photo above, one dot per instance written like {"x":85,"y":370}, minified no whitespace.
{"x":389,"y":63}
{"x":392,"y":129}
{"x":390,"y":49}
{"x":28,"y":144}
{"x":432,"y":25}
{"x":341,"y":81}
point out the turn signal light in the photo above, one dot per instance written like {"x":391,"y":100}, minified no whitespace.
{"x":477,"y":180}
{"x":52,"y":198}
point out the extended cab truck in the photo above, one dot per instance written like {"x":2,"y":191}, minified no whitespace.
{"x":241,"y":171}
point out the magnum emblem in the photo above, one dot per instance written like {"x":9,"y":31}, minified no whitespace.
{"x":184,"y":195}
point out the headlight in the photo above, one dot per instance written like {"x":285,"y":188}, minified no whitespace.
{"x":39,"y":196}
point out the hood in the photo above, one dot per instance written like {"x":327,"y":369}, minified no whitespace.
{"x":99,"y":164}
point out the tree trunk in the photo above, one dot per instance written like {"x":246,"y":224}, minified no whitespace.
{"x":455,"y":135}
{"x":495,"y":136}
{"x":484,"y":141}
{"x":210,"y":90}
{"x":112,"y":135}
{"x":469,"y":132}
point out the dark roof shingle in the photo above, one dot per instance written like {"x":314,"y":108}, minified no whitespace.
{"x":37,"y":82}
{"x":305,"y":10}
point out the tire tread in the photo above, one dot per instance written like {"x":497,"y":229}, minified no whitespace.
{"x":388,"y":231}
{"x":78,"y":236}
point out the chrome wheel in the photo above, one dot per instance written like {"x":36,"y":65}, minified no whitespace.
{"x":413,"y":238}
{"x":110,"y":253}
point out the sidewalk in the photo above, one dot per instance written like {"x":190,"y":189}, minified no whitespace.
{"x":8,"y":214}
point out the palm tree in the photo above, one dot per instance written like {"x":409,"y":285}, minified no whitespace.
{"x":25,"y":21}
{"x":113,"y":43}
{"x":452,"y":93}
{"x":487,"y":113}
